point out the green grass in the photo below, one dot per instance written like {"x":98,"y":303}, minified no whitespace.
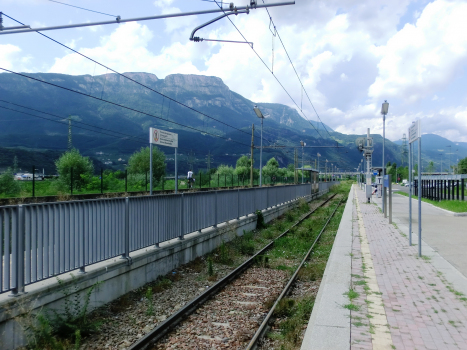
{"x":457,"y":206}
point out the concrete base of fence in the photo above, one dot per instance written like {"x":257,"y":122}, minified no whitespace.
{"x":117,"y":276}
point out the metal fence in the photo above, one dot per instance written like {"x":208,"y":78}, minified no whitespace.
{"x":40,"y":241}
{"x":442,"y":187}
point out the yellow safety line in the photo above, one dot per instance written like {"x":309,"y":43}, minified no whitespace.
{"x":379,"y":323}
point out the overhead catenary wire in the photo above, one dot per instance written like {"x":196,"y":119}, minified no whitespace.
{"x":293,"y":66}
{"x":82,"y":8}
{"x":126,"y":77}
{"x":269,"y":69}
{"x":74,"y":121}
{"x":122,"y":106}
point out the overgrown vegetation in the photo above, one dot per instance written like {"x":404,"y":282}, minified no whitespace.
{"x":63,"y":329}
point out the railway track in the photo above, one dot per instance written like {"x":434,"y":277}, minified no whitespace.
{"x":227,"y":314}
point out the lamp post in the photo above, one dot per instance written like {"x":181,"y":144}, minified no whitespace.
{"x":260,"y":116}
{"x":332,"y":172}
{"x":441,"y":163}
{"x":384,"y":111}
{"x":302,"y":144}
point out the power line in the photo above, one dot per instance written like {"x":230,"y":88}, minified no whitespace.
{"x":82,"y":8}
{"x":124,"y":76}
{"x":238,"y":30}
{"x":65,"y":123}
{"x":298,"y":77}
{"x":122,"y":106}
{"x":56,"y":116}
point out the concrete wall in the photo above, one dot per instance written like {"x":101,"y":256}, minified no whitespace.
{"x":119,"y":276}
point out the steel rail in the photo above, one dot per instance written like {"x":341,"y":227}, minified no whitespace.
{"x":165,"y":327}
{"x":264,"y":327}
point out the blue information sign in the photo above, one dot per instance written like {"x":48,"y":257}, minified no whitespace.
{"x":386,"y":181}
{"x":375,"y":173}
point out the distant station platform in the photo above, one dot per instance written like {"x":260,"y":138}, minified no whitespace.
{"x":376,"y":292}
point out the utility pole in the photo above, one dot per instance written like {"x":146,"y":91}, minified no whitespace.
{"x":70,"y":144}
{"x":208,"y":161}
{"x":252,"y":147}
{"x":295,"y":165}
{"x":404,"y":150}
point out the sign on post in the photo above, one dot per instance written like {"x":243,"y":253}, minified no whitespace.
{"x":162,"y":138}
{"x":415,"y":131}
{"x":415,"y":134}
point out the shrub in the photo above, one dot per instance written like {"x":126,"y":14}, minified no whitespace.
{"x":8,"y":185}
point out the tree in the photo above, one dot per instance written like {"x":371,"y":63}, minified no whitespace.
{"x":82,"y":169}
{"x":139,"y":162}
{"x":462,"y":166}
{"x":431,"y":167}
{"x":243,"y":167}
{"x":8,"y":186}
{"x":271,"y":168}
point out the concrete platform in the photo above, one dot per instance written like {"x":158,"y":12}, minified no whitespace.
{"x":402,"y":301}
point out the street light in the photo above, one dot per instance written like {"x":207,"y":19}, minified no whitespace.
{"x":302,"y":144}
{"x":326,"y":171}
{"x":384,"y":111}
{"x":260,"y":116}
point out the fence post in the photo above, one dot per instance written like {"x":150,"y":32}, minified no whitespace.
{"x":457,"y":190}
{"x":126,"y":180}
{"x":126,"y":232}
{"x":17,"y":269}
{"x":33,"y":181}
{"x":182,"y":223}
{"x":82,"y":243}
{"x":215,"y":207}
{"x":102,"y":181}
{"x":238,"y":204}
{"x":71,"y":181}
{"x":463,"y":188}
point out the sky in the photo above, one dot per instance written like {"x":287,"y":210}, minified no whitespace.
{"x":351,"y":55}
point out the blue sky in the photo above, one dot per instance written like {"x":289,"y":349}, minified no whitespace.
{"x":350,"y":54}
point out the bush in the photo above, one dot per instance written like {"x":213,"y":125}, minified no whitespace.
{"x":139,"y":163}
{"x":82,"y":169}
{"x":8,"y":185}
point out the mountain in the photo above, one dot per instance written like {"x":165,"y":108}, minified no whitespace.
{"x":213,"y":119}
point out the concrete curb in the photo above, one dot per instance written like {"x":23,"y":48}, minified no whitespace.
{"x":329,"y":324}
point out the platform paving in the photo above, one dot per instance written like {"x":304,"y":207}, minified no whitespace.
{"x":401,"y":301}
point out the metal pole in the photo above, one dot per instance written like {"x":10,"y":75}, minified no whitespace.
{"x":302,"y":165}
{"x":33,"y":181}
{"x":252,"y":147}
{"x":119,"y":20}
{"x":102,"y":181}
{"x":261,"y":157}
{"x":410,"y":193}
{"x":384,"y":168}
{"x":176,"y":171}
{"x":150,"y":168}
{"x":390,"y":198}
{"x":419,"y":197}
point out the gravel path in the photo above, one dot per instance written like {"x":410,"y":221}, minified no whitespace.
{"x":229,"y":320}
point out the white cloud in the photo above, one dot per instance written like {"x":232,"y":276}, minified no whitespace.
{"x":126,"y":49}
{"x":8,"y":53}
{"x":424,"y":57}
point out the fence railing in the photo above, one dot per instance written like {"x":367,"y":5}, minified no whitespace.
{"x":40,"y":241}
{"x":442,"y":187}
